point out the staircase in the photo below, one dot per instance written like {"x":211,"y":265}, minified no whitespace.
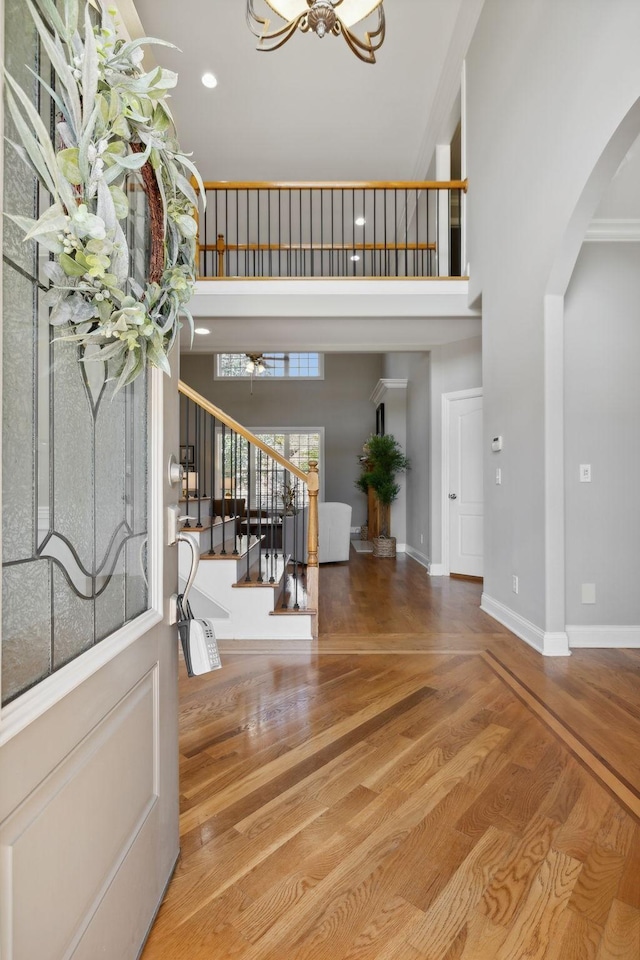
{"x":253,"y":517}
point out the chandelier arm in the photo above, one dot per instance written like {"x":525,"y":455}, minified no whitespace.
{"x":364,"y":50}
{"x":262,"y":32}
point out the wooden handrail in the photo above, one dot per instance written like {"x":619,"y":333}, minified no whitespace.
{"x":337,"y":185}
{"x":223,"y":417}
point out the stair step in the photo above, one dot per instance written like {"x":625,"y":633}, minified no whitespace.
{"x":267,"y":569}
{"x":285,"y":606}
{"x":241,"y":544}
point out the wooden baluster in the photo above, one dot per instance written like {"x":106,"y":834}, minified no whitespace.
{"x":313,"y":485}
{"x":220,"y":247}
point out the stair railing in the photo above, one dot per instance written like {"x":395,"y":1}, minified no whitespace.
{"x":237,"y":484}
{"x":354,"y":229}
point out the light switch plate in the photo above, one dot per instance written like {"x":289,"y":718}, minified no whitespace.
{"x":585,"y":473}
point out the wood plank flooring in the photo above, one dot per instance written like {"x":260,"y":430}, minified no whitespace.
{"x":388,"y":795}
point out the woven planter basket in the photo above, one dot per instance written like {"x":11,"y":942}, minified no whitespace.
{"x":364,"y":532}
{"x":384,"y":546}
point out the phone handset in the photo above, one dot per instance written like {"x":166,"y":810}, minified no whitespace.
{"x":197,"y":637}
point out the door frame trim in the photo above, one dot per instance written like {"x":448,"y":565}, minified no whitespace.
{"x":447,"y":400}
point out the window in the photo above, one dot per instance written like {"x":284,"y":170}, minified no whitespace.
{"x":277,"y":366}
{"x":254,"y":480}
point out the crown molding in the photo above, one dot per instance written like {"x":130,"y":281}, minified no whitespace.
{"x":397,"y":383}
{"x":613,"y":231}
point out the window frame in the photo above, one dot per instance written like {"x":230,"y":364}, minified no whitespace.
{"x":276,"y":378}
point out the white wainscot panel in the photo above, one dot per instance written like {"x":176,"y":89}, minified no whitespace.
{"x":55,"y":859}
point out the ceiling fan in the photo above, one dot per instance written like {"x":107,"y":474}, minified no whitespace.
{"x":256,"y":362}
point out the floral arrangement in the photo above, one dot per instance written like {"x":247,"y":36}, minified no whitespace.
{"x":113,"y":118}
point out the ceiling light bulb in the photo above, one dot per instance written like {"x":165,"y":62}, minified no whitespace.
{"x":360,"y":221}
{"x":261,"y":367}
{"x":355,"y":257}
{"x":202,"y":330}
{"x":250,"y":367}
{"x":209,"y":80}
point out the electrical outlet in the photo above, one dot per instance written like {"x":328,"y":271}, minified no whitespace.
{"x":498,"y":475}
{"x":585,"y":473}
{"x":515,"y":584}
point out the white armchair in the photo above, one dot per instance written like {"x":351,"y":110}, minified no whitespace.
{"x":334,"y":532}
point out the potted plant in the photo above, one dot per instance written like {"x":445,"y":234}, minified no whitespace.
{"x":383,"y":460}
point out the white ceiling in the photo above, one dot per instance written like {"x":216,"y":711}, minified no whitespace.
{"x":311,"y":110}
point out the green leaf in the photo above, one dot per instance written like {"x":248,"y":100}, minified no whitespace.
{"x":193,"y":169}
{"x":186,"y":188}
{"x":134,"y":161}
{"x":71,"y":16}
{"x":120,"y":202}
{"x":48,"y":8}
{"x":56,"y":55}
{"x":69,"y":166}
{"x":89,"y":69}
{"x":56,"y":99}
{"x":71,"y":267}
{"x":188,"y":226}
{"x":30,"y":150}
{"x":46,"y":151}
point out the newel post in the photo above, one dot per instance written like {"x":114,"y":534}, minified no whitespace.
{"x":313,"y":485}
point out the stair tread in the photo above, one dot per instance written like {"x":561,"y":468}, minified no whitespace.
{"x":229,"y":545}
{"x":275,"y":569}
{"x":206,"y":523}
{"x":286,"y":602}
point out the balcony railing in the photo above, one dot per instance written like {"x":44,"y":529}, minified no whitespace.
{"x":349,"y":229}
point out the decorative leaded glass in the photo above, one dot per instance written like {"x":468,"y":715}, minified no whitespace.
{"x":74,"y":452}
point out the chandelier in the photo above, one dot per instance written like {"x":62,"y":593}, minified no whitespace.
{"x":322,"y":17}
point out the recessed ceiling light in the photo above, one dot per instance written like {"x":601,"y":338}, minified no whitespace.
{"x":209,"y":80}
{"x":201,"y":330}
{"x":355,"y":257}
{"x":360,"y":221}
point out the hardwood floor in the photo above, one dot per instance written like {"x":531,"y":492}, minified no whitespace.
{"x":392,"y":793}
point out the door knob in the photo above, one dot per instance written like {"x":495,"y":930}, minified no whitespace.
{"x":453,"y":496}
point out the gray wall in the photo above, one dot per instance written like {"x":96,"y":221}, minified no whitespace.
{"x":340,"y":403}
{"x":548,"y":84}
{"x":602,"y":413}
{"x":418,"y":451}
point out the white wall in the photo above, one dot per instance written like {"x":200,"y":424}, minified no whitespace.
{"x":548,"y":85}
{"x":340,"y":403}
{"x":602,"y":413}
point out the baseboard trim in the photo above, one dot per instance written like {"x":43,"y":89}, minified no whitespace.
{"x":437,"y":570}
{"x":548,"y":644}
{"x":419,"y":557}
{"x":608,"y":637}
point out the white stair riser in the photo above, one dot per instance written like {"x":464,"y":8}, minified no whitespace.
{"x":248,"y":609}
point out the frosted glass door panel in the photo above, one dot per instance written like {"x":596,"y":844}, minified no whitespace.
{"x":74,"y":452}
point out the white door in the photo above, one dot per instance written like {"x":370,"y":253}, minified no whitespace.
{"x":88,"y":723}
{"x":464,"y":496}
